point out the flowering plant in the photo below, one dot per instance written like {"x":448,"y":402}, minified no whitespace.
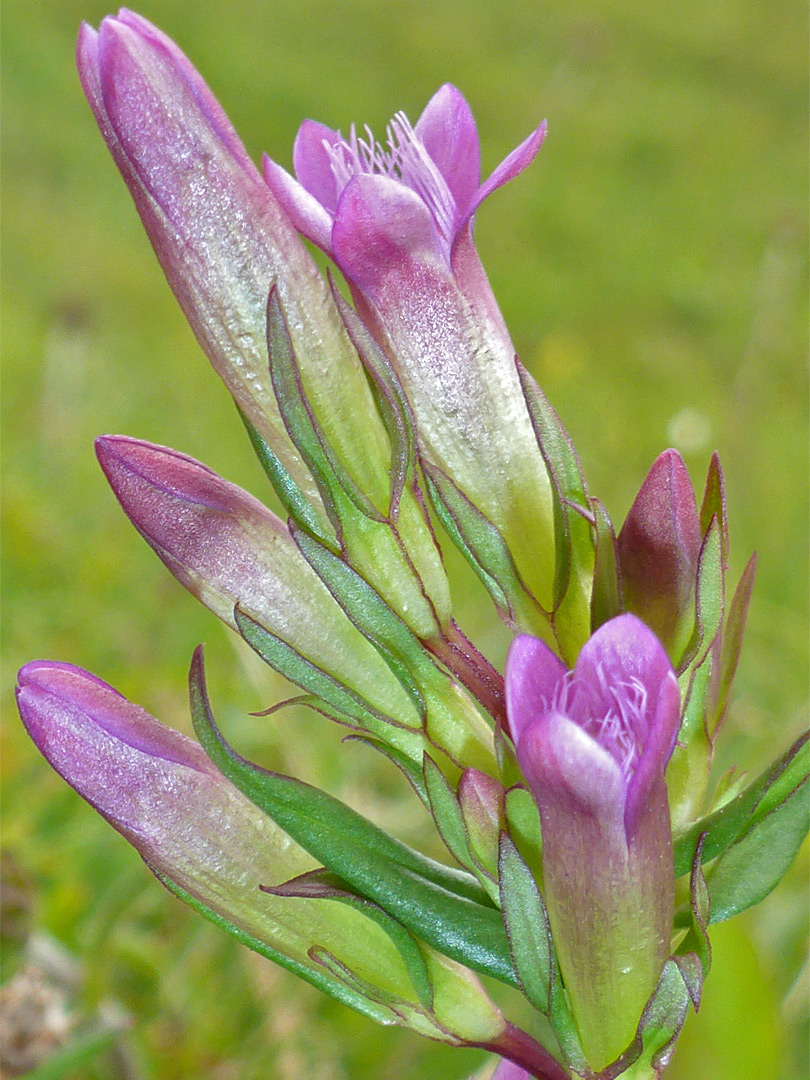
{"x":588,"y":852}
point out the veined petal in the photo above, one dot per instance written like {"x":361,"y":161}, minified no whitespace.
{"x":657,"y":751}
{"x":622,"y":650}
{"x":533,"y":675}
{"x":447,"y":130}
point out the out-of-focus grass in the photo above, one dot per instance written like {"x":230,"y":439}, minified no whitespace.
{"x":653,"y":268}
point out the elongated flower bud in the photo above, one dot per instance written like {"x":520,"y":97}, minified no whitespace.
{"x":228,"y":549}
{"x":659,"y":545}
{"x":199,"y":833}
{"x":593,"y":744}
{"x":223,"y":242}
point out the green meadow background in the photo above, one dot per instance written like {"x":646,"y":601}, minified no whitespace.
{"x":652,"y":266}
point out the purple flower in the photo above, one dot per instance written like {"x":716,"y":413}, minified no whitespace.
{"x":398,"y":222}
{"x":428,"y":173}
{"x":593,"y":744}
{"x":659,"y":545}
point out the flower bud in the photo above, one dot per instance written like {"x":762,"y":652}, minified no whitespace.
{"x":228,"y":550}
{"x":659,"y":545}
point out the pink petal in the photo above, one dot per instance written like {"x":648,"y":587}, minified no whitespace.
{"x":447,"y":130}
{"x":378,"y":225}
{"x":533,"y":673}
{"x":302,"y":208}
{"x":511,"y":166}
{"x":313,"y":165}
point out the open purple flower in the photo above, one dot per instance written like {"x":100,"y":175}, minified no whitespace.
{"x":593,"y":744}
{"x":428,"y":172}
{"x":398,"y":222}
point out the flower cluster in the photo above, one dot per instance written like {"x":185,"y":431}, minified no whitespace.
{"x":587,"y":858}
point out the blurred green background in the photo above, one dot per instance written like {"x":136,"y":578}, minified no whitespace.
{"x":652,"y":266}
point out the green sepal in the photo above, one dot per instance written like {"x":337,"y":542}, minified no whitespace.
{"x":449,"y":820}
{"x":606,"y":597}
{"x":696,"y":941}
{"x":661,"y":1021}
{"x":482,"y":545}
{"x":294,"y":501}
{"x":726,"y":826}
{"x":324,"y":885}
{"x":759,"y":859}
{"x":688,"y":769}
{"x":709,"y":598}
{"x":307,"y":436}
{"x":335,"y":699}
{"x":451,"y":720}
{"x":444,"y":907}
{"x":714,"y":504}
{"x":527,"y":926}
{"x":399,"y":646}
{"x":389,"y":397}
{"x":317,"y":977}
{"x":572,"y":511}
{"x":446,"y":812}
{"x":732,"y":641}
{"x":523,"y":820}
{"x":406,"y":765}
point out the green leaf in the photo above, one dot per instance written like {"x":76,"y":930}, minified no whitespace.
{"x":445,"y":907}
{"x":726,"y":825}
{"x":757,"y":862}
{"x":527,"y":926}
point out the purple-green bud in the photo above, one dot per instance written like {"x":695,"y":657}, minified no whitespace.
{"x":228,"y":549}
{"x":593,"y":744}
{"x":481,"y":797}
{"x":658,"y":546}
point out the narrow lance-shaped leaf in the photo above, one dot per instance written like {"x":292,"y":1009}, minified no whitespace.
{"x":722,"y":828}
{"x":439,"y":905}
{"x":526,"y":921}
